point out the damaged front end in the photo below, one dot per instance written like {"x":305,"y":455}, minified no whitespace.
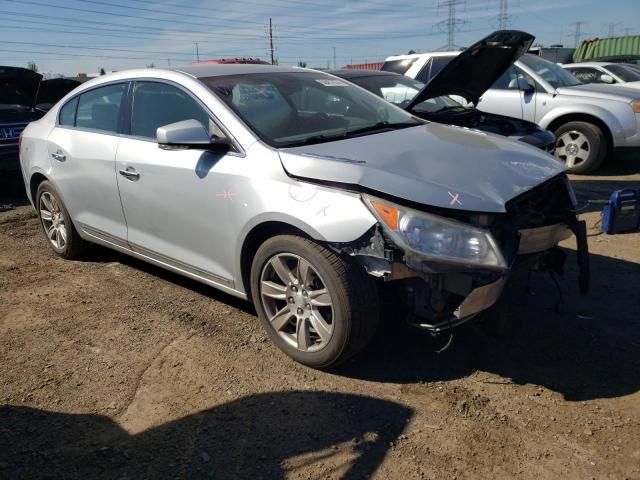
{"x":448,"y":266}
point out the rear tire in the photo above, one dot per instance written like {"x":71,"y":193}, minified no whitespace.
{"x":319,"y":308}
{"x":582,"y":146}
{"x":56,"y":223}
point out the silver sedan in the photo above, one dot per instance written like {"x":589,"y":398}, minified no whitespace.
{"x":299,"y":191}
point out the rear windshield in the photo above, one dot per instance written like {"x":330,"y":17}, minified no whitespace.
{"x":398,"y":66}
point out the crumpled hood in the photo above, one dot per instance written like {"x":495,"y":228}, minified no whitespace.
{"x":18,"y":86}
{"x":433,"y":164}
{"x":604,"y":91}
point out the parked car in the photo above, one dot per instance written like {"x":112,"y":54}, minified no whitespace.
{"x":299,"y":191}
{"x":587,"y":120}
{"x":625,"y":74}
{"x":432,"y":102}
{"x":18,"y":90}
{"x":24,"y":97}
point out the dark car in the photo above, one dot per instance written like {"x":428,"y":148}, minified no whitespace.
{"x":463,"y":77}
{"x":18,"y":91}
{"x":24,"y":97}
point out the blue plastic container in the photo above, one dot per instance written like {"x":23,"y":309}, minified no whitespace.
{"x":622,"y":213}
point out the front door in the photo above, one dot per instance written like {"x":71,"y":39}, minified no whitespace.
{"x":176,"y":201}
{"x":503,"y":98}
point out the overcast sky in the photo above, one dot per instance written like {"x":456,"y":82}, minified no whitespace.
{"x":71,"y":36}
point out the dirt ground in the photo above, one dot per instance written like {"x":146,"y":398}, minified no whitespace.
{"x":111,"y":368}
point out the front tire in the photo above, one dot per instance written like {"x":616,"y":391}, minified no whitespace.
{"x":581,"y":146}
{"x":56,"y":223}
{"x":317,"y":307}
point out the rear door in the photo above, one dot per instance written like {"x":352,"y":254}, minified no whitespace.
{"x":83,"y":148}
{"x":176,"y":201}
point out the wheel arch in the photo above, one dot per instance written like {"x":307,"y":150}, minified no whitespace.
{"x":583,"y":117}
{"x":256,"y":237}
{"x":34,"y":182}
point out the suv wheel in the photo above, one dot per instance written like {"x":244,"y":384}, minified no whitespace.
{"x":56,"y":223}
{"x":581,"y":146}
{"x":318,"y":308}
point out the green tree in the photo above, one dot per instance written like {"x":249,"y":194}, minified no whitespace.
{"x":151,"y":65}
{"x":32,"y":66}
{"x":302,"y":64}
{"x":102,"y":72}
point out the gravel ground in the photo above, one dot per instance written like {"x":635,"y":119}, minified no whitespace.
{"x":111,"y":368}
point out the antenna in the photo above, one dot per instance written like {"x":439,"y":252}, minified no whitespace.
{"x":451,"y":24}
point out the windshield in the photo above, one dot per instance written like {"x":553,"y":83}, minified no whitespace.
{"x":555,"y":75}
{"x":625,"y":72}
{"x":295,"y":108}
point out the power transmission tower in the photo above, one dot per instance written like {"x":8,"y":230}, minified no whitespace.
{"x":627,"y":31}
{"x":578,"y":33}
{"x":271,"y":42}
{"x":612,"y":28}
{"x":451,"y":24}
{"x":503,"y":17}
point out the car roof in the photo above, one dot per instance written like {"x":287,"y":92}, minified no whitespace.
{"x":588,"y":64}
{"x":200,"y":70}
{"x":451,"y":53}
{"x":348,"y":73}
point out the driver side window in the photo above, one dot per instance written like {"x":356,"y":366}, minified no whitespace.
{"x":157,"y":104}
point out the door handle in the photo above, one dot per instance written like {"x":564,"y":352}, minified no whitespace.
{"x":61,"y":157}
{"x":130,"y":174}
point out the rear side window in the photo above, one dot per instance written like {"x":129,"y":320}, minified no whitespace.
{"x":99,"y":109}
{"x":432,"y":68}
{"x":68,"y":113}
{"x":157,"y":104}
{"x":398,"y":66}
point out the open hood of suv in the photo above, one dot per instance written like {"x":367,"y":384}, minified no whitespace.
{"x":474,"y":70}
{"x":18,"y":86}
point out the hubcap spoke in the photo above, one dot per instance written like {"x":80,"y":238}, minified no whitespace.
{"x":47,"y":201}
{"x":63,"y":234}
{"x":46,"y":215}
{"x":320,"y":325}
{"x":273,"y":290}
{"x":302,"y":334}
{"x":304,"y":271}
{"x":320,"y":298}
{"x":280,"y":319}
{"x":282,"y":270}
{"x":51,"y":232}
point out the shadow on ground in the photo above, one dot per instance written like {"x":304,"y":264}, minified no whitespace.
{"x":589,"y":349}
{"x":247,"y":438}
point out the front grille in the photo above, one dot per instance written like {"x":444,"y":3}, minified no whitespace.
{"x":546,"y":204}
{"x":10,"y":132}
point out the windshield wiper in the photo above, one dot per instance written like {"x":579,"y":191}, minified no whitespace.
{"x":378,"y":127}
{"x":314,"y":139}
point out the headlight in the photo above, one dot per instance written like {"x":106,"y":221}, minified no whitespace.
{"x":434,"y":237}
{"x":636,"y":106}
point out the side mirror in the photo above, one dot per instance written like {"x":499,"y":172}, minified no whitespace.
{"x":604,"y":78}
{"x":521,"y":83}
{"x":189,"y":134}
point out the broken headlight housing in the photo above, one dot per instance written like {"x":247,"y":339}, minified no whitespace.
{"x":436,"y":238}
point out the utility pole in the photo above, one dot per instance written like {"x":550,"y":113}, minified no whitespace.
{"x":451,"y":24}
{"x":271,"y":42}
{"x":169,"y":61}
{"x":334,"y":58}
{"x":197,"y":53}
{"x":578,"y":33}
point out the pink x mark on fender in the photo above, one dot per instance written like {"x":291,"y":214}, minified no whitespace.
{"x":226,"y":195}
{"x":454,"y":199}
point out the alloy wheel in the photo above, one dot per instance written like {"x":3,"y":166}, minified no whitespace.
{"x":297,"y":302}
{"x":573,"y":148}
{"x":53,"y":220}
